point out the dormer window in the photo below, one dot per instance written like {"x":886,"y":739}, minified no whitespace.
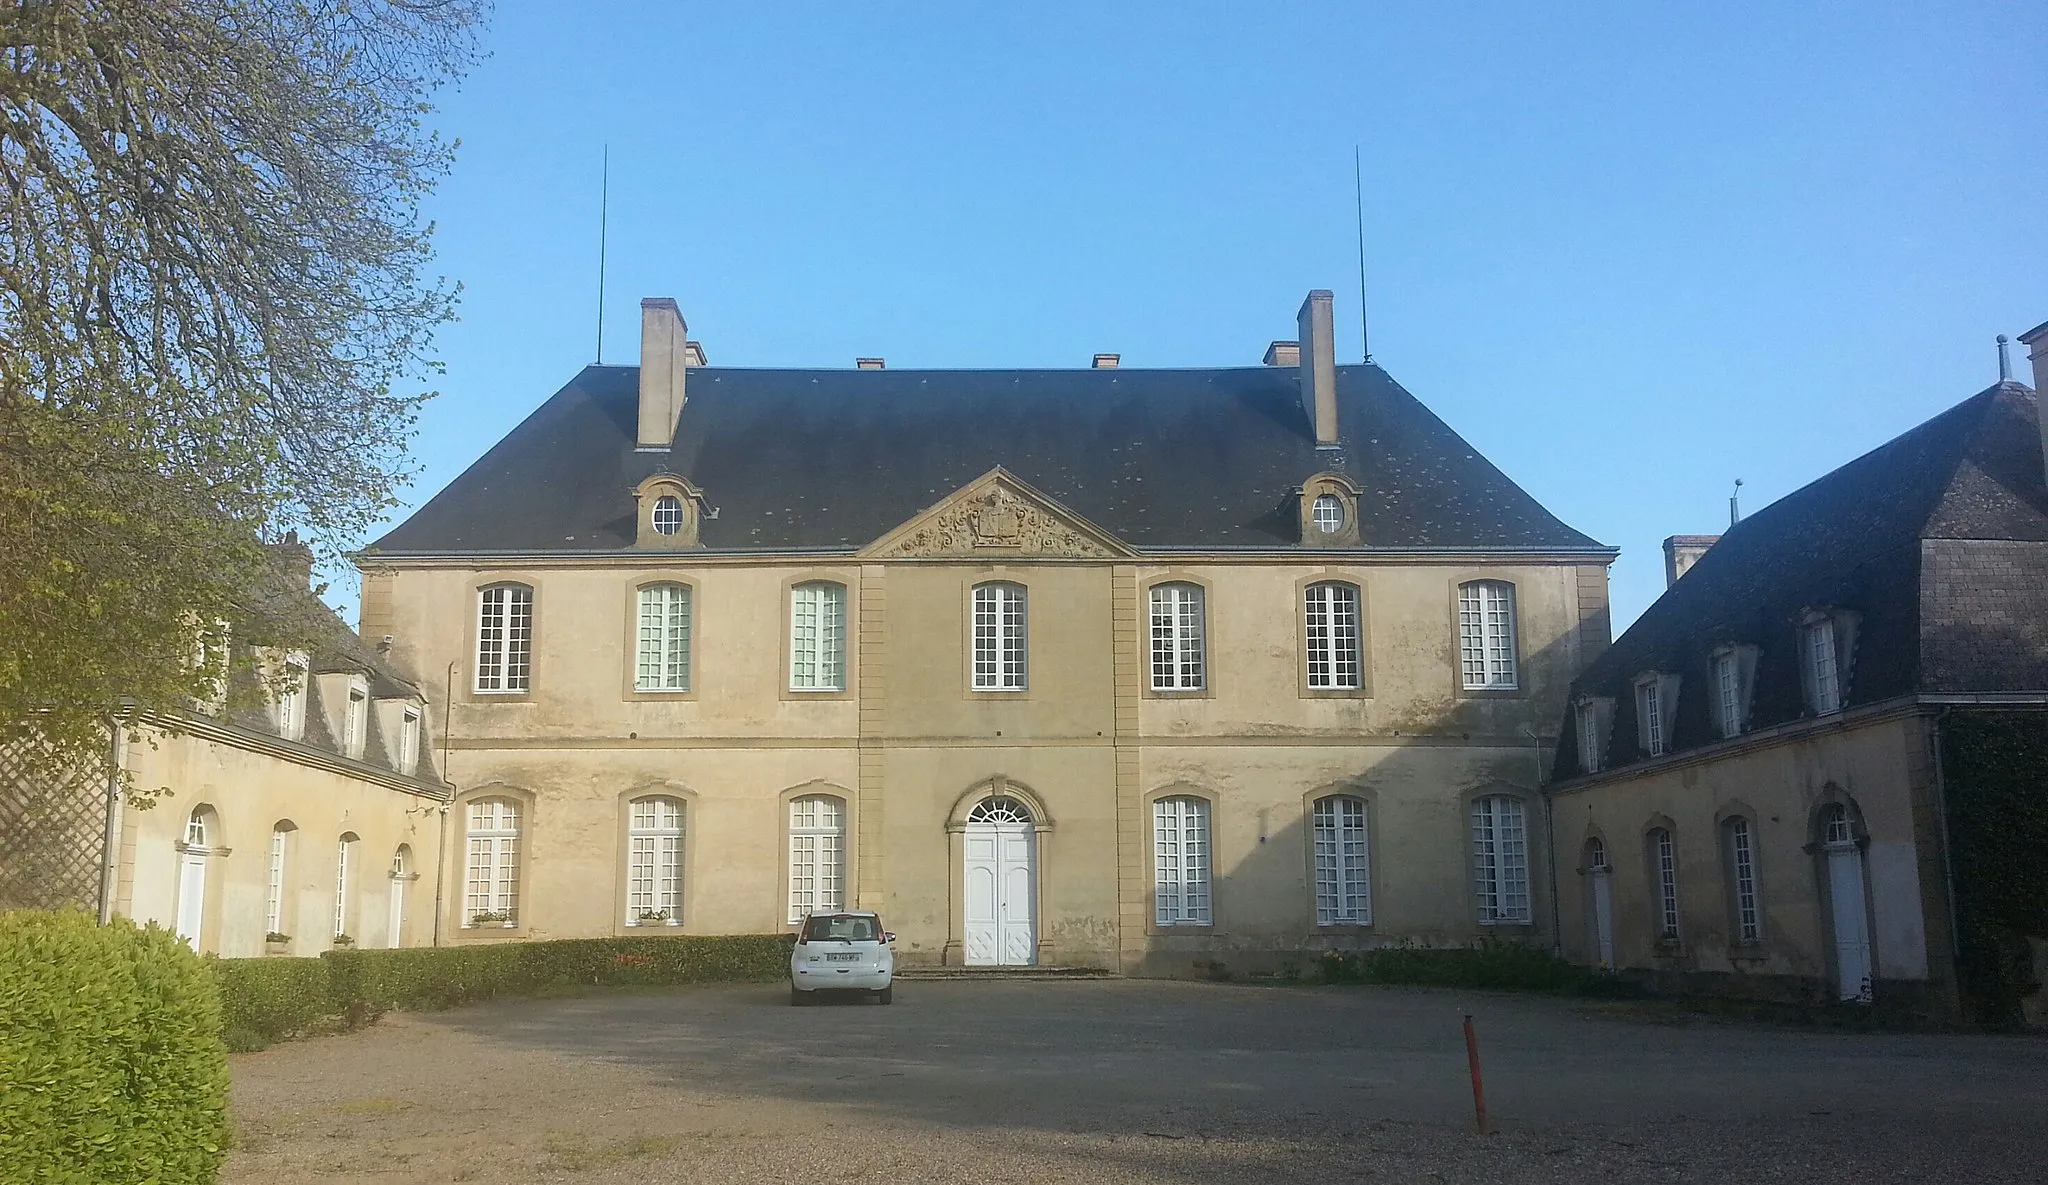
{"x":668,"y":515}
{"x":409,"y":741}
{"x":291,"y":698}
{"x":1734,"y":673}
{"x":1827,"y":643}
{"x":1656,"y":711}
{"x":668,"y":510}
{"x":1593,"y":718}
{"x":355,"y":728}
{"x":1329,"y":511}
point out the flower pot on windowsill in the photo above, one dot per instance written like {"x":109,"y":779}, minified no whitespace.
{"x":656,"y":917}
{"x":492,"y":918}
{"x":277,"y":944}
{"x":344,"y":942}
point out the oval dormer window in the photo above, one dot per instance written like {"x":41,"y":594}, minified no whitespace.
{"x":1327,"y":513}
{"x":668,"y":515}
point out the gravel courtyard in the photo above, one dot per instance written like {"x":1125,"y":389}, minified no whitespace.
{"x":1126,"y":1081}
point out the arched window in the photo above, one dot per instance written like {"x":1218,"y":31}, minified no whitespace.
{"x":654,"y":862}
{"x":817,"y":855}
{"x":817,"y":636}
{"x":1664,"y":882}
{"x":1486,"y":634}
{"x":664,"y":663}
{"x":1330,"y":625}
{"x":1180,"y":846}
{"x":1179,"y":661}
{"x":273,"y":902}
{"x":999,"y":643}
{"x":1343,"y":864}
{"x":493,"y":866}
{"x":1500,"y":860}
{"x":504,"y":638}
{"x":344,"y":884}
{"x":1596,"y":855}
{"x":1327,"y":513}
{"x":1739,"y":842}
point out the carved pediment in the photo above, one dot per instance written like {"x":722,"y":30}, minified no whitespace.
{"x":995,"y":517}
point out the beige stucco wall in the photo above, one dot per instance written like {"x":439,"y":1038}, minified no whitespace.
{"x":248,"y":792}
{"x":1088,"y":744}
{"x":1879,"y":766}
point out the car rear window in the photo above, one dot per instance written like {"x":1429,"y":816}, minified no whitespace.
{"x":841,"y":928}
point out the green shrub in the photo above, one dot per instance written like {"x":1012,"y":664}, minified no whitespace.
{"x":1496,"y":966}
{"x":268,"y":1000}
{"x":111,"y":1065}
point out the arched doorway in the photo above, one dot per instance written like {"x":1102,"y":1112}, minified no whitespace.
{"x":1600,"y":906}
{"x":1848,"y":913}
{"x":999,"y":884}
{"x":202,"y":838}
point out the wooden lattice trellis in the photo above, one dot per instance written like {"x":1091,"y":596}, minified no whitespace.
{"x":52,"y":833}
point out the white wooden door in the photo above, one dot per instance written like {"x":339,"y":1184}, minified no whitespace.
{"x":1852,"y":922}
{"x":394,"y":929}
{"x":1603,"y":917}
{"x":998,"y":895}
{"x":191,"y":897}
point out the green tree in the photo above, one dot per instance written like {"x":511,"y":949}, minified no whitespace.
{"x":215,"y":325}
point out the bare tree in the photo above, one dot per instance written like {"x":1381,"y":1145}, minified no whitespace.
{"x":215,"y":323}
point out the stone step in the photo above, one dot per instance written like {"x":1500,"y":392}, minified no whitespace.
{"x":977,"y":973}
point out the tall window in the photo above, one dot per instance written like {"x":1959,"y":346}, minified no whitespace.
{"x":504,"y":638}
{"x":291,"y":699}
{"x":273,"y":898}
{"x":1180,"y":846}
{"x":1486,"y":634}
{"x":493,"y":872}
{"x":1728,"y":693}
{"x":1653,"y":714}
{"x":1330,"y":617}
{"x":999,"y":644}
{"x":1823,"y":671}
{"x":1664,"y":866}
{"x":1343,"y":867}
{"x":409,"y":741}
{"x":1587,"y":715}
{"x":356,"y":727}
{"x":817,"y":637}
{"x":654,"y":862}
{"x":664,"y":639}
{"x":344,"y":881}
{"x":817,"y":856}
{"x":1178,"y":659}
{"x":1749,"y":925}
{"x":1500,"y":860}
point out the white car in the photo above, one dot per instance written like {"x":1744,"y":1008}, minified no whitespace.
{"x":842,"y":952}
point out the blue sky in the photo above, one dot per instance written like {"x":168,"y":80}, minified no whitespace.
{"x":1631,"y":253}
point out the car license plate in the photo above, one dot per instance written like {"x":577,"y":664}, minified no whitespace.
{"x":845,"y":958}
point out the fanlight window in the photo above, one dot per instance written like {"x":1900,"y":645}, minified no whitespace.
{"x":668,"y":515}
{"x":1327,"y":513}
{"x":1000,"y":809}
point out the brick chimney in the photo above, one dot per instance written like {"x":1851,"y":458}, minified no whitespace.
{"x":664,"y":345}
{"x":1319,"y":366}
{"x":1106,"y":361}
{"x":1682,"y":552}
{"x":2036,"y":341}
{"x":1283,"y":354}
{"x":870,"y":364}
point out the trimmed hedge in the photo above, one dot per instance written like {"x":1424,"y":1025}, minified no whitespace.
{"x":111,"y":1066}
{"x":1504,"y":966}
{"x":269,"y":1000}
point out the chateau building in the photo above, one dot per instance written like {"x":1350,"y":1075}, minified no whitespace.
{"x":1811,"y":770}
{"x":1145,"y":669}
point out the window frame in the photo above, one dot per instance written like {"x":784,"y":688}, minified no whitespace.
{"x":1004,"y":638}
{"x":1490,"y":654}
{"x":1593,"y":732}
{"x":1493,"y":868}
{"x":1745,"y":885}
{"x":1328,"y":651}
{"x":1656,"y":700}
{"x":1177,"y":637}
{"x":355,"y":719}
{"x":506,"y":870}
{"x":279,"y":863}
{"x":638,"y":640}
{"x":791,"y":653}
{"x":667,"y":849}
{"x":290,"y":706}
{"x":346,"y":875}
{"x":793,"y":832}
{"x":1183,"y":807}
{"x":410,"y":724}
{"x":667,"y":509}
{"x":1345,"y":884}
{"x":506,"y":647}
{"x":1661,"y":847}
{"x":1823,"y":682}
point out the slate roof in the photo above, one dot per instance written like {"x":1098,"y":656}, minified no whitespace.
{"x":834,"y":459}
{"x":1937,"y":539}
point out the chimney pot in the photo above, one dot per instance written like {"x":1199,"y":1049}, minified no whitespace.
{"x":1283,"y":354}
{"x":664,"y":356}
{"x":1106,"y":361}
{"x":1681,"y":552}
{"x":870,"y":364}
{"x":1319,"y":366}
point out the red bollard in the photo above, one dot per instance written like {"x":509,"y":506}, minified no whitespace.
{"x":1478,"y":1085}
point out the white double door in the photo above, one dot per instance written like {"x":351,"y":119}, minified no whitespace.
{"x":1603,"y":917}
{"x":191,"y":897}
{"x":1852,"y":922}
{"x":1000,"y":895}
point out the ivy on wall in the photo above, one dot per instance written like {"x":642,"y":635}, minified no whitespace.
{"x":1995,"y":765}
